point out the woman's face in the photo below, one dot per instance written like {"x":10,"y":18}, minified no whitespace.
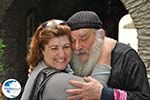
{"x":57,"y":53}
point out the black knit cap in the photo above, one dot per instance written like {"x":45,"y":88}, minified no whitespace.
{"x":84,"y":19}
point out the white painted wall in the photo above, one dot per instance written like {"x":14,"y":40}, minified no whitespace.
{"x":128,"y":32}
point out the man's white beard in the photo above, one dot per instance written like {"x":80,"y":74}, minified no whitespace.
{"x":85,"y":69}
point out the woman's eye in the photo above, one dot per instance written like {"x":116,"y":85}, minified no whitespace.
{"x":53,"y":48}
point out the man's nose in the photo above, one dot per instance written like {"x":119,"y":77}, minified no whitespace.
{"x":77,"y":45}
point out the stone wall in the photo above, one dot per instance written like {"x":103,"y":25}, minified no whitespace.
{"x":13,"y":32}
{"x":140,"y":12}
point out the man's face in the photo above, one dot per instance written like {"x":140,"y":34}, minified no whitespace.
{"x":87,"y":45}
{"x":82,"y":42}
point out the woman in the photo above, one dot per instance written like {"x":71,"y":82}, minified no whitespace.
{"x":51,"y":48}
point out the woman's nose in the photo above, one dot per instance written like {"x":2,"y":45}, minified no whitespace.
{"x":61,"y":53}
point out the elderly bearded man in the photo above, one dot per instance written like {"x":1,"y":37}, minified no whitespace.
{"x":128,"y":78}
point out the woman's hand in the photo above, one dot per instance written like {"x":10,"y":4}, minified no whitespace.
{"x":30,"y":70}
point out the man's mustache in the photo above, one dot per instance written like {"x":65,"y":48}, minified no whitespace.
{"x":80,"y":52}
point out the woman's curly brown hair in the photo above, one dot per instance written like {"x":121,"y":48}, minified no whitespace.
{"x":45,"y":32}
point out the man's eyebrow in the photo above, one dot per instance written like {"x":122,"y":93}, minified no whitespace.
{"x":83,"y":33}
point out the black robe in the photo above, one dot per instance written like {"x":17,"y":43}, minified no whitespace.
{"x":128,"y":73}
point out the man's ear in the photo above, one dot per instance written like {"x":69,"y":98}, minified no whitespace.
{"x":100,"y":33}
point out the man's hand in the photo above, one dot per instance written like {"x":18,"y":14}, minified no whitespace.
{"x":91,"y":89}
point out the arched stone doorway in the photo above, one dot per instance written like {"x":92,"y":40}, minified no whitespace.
{"x":109,"y":11}
{"x":140,"y":12}
{"x":19,"y":15}
{"x":127,"y":32}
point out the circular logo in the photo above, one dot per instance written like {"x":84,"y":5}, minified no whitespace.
{"x":11,"y":88}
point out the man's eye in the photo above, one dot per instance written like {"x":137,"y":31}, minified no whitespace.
{"x":84,"y":38}
{"x":67,"y":46}
{"x":72,"y":40}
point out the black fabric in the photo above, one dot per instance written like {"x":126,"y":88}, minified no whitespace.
{"x":129,"y":73}
{"x":40,"y":81}
{"x":107,"y":94}
{"x":84,"y":19}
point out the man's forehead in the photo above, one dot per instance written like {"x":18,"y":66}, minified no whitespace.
{"x":81,"y":31}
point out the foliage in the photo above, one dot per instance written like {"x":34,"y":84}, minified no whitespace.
{"x":2,"y":47}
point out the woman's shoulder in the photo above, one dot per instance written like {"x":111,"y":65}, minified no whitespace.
{"x":61,"y":76}
{"x":57,"y":85}
{"x":62,"y":79}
